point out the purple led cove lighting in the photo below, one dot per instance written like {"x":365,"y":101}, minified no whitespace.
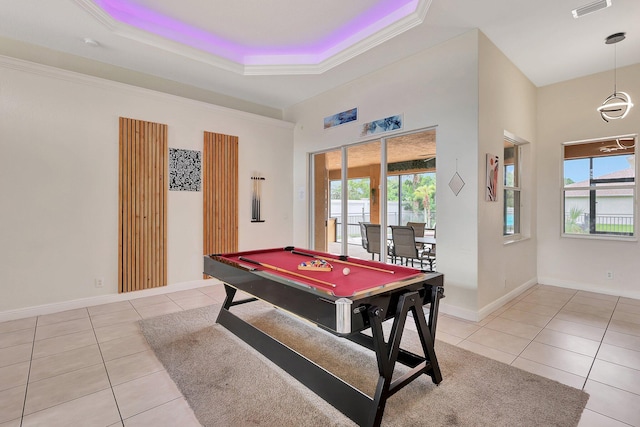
{"x":365,"y":25}
{"x":171,"y":29}
{"x":379,"y":16}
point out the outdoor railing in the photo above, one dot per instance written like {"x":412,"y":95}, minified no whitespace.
{"x":613,"y":224}
{"x":353,"y":227}
{"x":353,"y":223}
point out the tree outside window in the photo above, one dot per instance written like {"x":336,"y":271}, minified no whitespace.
{"x":412,"y":198}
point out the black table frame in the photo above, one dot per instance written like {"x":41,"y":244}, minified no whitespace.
{"x":359,"y":407}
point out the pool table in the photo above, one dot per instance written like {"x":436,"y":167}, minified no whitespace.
{"x":343,"y":302}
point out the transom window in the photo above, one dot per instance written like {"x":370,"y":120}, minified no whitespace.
{"x":599,"y":187}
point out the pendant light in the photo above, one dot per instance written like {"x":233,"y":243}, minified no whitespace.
{"x":618,"y":104}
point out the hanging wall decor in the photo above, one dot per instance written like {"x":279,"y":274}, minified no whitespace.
{"x":387,"y":124}
{"x":341,"y":118}
{"x":184,"y":170}
{"x":220,"y":188}
{"x":256,"y":195}
{"x":456,"y":183}
{"x":142,"y":205}
{"x":491,"y":193}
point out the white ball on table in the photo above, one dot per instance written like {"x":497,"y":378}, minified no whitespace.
{"x":346,"y":271}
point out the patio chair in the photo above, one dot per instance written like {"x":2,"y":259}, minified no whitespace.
{"x":429,"y":253}
{"x":371,"y":238}
{"x":418,"y":228}
{"x":429,"y":256}
{"x":404,"y":244}
{"x":363,"y":234}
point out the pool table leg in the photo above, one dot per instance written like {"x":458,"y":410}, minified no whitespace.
{"x":362,"y":409}
{"x":228,"y":300}
{"x":437,"y":293}
{"x":387,"y":354}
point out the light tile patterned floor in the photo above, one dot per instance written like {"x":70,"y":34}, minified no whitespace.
{"x":92,"y":366}
{"x":583,"y":339}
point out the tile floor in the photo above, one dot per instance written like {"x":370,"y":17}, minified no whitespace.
{"x":582,"y":339}
{"x":93,"y":367}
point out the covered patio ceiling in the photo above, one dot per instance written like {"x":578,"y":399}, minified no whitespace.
{"x":414,"y":146}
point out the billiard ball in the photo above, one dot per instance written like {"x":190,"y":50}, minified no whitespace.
{"x":346,"y":271}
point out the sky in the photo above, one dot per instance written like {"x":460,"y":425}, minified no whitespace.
{"x":578,"y":170}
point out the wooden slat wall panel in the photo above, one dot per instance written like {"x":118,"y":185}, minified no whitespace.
{"x":220,"y":188}
{"x":142,"y":219}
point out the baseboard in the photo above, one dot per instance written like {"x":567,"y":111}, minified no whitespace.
{"x":57,"y":307}
{"x":461,"y":313}
{"x":587,"y":287}
{"x":476,"y":316}
{"x":490,"y":308}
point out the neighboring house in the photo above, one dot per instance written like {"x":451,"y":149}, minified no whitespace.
{"x":614,"y":204}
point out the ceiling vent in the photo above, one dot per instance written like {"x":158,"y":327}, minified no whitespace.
{"x":590,"y":8}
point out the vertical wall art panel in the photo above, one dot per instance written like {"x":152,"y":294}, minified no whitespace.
{"x":220,"y":193}
{"x":184,"y":170}
{"x":491,"y":194}
{"x":142,"y":206}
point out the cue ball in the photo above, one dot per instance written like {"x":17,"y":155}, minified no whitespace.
{"x":346,"y":271}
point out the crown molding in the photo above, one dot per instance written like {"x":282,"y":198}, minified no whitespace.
{"x":48,"y":71}
{"x":96,"y":11}
{"x":136,"y":34}
{"x":269,"y":64}
{"x":376,"y":39}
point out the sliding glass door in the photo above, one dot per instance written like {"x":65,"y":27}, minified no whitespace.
{"x":350,"y":187}
{"x":363,"y":196}
{"x":411,"y":179}
{"x":327,"y":199}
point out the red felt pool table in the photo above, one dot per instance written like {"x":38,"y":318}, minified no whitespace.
{"x":364,"y":277}
{"x":344,"y":305}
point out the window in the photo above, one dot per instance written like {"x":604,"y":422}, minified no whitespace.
{"x":599,"y":187}
{"x":511,"y":215}
{"x":412,"y":198}
{"x":358,"y":205}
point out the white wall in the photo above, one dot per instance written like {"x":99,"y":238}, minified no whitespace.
{"x":507,"y":103}
{"x":58,"y":180}
{"x":437,"y":87}
{"x":59,"y":186}
{"x":567,"y":112}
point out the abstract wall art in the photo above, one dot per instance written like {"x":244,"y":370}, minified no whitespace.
{"x":491,"y":193}
{"x":184,"y":170}
{"x":341,"y":118}
{"x":387,"y":124}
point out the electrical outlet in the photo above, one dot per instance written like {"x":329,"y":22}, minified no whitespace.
{"x":99,"y":282}
{"x":609,"y":275}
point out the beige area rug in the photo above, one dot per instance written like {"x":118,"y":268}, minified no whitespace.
{"x":227,"y":383}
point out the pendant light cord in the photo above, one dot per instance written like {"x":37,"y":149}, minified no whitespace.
{"x":615,"y":69}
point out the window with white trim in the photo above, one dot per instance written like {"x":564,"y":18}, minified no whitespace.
{"x":599,"y":187}
{"x":512,"y":191}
